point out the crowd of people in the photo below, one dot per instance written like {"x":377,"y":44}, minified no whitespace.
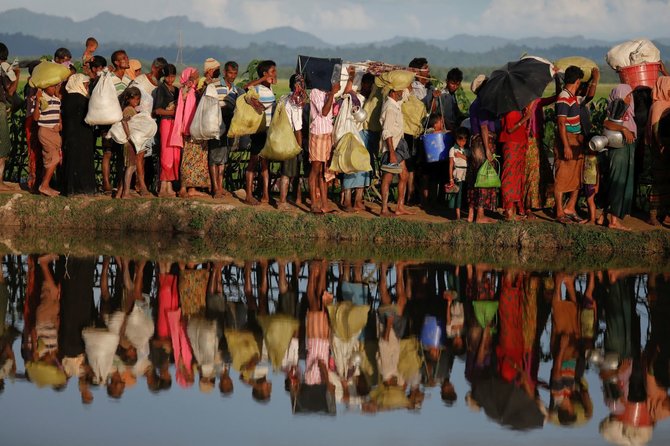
{"x":59,"y":140}
{"x":368,"y":337}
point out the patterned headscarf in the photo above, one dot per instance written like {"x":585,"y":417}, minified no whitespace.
{"x":299,"y":94}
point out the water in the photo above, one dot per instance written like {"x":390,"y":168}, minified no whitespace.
{"x":53,"y":302}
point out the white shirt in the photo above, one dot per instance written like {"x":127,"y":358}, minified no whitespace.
{"x":392,"y":123}
{"x":460,"y":164}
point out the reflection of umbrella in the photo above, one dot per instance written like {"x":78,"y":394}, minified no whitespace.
{"x":515,"y":85}
{"x":507,"y":404}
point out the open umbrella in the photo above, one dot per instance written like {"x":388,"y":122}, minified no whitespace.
{"x":515,"y":85}
{"x":507,"y":404}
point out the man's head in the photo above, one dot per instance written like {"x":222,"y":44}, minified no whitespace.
{"x":157,"y":67}
{"x":120,"y":60}
{"x":423,"y":70}
{"x":367,"y":81}
{"x":211,"y":68}
{"x":230,"y":70}
{"x":267,"y":69}
{"x":396,"y":95}
{"x":454,"y":79}
{"x":62,"y":55}
{"x":4,"y":52}
{"x":573,"y":76}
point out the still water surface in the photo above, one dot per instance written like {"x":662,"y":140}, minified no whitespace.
{"x":106,"y":350}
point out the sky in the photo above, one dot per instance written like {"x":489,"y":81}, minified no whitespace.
{"x":374,"y":20}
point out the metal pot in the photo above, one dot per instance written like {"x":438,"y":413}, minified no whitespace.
{"x":615,"y":138}
{"x":598,"y":143}
{"x":359,"y":114}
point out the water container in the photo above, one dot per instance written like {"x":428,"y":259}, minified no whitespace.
{"x":431,"y":332}
{"x":435,"y":146}
{"x":643,"y":75}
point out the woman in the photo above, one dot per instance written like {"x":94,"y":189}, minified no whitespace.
{"x":621,"y":161}
{"x":514,"y":137}
{"x":659,"y":198}
{"x":164,"y":109}
{"x":538,"y":171}
{"x":193,"y":170}
{"x":78,"y":138}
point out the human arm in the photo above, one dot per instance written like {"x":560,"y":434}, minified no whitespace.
{"x":593,"y":85}
{"x":13,"y":86}
{"x":627,"y":134}
{"x":451,"y":170}
{"x":351,"y":73}
{"x":328,"y":101}
{"x":563,"y":134}
{"x":485,"y":140}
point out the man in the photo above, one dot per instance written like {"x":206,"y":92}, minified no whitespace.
{"x":120,"y":64}
{"x":320,"y":145}
{"x":217,"y":153}
{"x":267,"y":76}
{"x":449,"y":105}
{"x":9,"y":82}
{"x":394,"y":152}
{"x":569,"y":141}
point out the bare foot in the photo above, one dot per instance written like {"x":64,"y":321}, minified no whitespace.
{"x":49,"y":192}
{"x":192,"y":193}
{"x":145,"y":193}
{"x":251,"y":201}
{"x":530,"y":215}
{"x":5,"y":187}
{"x":167,"y":194}
{"x":218,"y":195}
{"x":619,"y":226}
{"x":265,"y":199}
{"x":403,"y":211}
{"x":485,"y":220}
{"x":350,"y":210}
{"x":387,"y":214}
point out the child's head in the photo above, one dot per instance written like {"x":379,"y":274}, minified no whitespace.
{"x":91,"y":45}
{"x":461,"y":135}
{"x":130,"y":97}
{"x":267,"y":68}
{"x":230,"y":70}
{"x":96,"y":64}
{"x":435,"y":122}
{"x":62,"y":55}
{"x":454,"y":80}
{"x":169,"y":74}
{"x":4,"y":52}
{"x":52,"y":90}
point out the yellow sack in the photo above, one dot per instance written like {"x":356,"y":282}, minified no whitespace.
{"x":373,"y":107}
{"x":348,"y":320}
{"x":350,"y":156}
{"x":246,"y":120}
{"x":396,"y":80}
{"x":582,"y":62}
{"x":280,"y":144}
{"x":47,"y":74}
{"x":278,"y":330}
{"x":409,"y":362}
{"x":413,"y":112}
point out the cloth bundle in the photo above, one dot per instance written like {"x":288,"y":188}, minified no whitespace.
{"x":280,"y":144}
{"x":47,"y":74}
{"x":104,"y":107}
{"x":207,"y":122}
{"x":631,"y":53}
{"x":246,"y":120}
{"x":142,"y":128}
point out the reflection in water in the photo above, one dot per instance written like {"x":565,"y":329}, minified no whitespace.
{"x":347,"y":335}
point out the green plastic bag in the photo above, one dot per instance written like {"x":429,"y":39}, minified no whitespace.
{"x":485,"y":312}
{"x":487,"y":176}
{"x":246,"y":120}
{"x":280,"y":144}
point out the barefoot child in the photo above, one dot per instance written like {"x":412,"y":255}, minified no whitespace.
{"x":47,"y":116}
{"x":458,"y":166}
{"x":130,"y":100}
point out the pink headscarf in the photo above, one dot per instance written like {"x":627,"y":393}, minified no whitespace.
{"x":186,"y":105}
{"x":620,"y":92}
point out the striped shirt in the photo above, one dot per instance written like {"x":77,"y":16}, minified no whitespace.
{"x":568,"y":106}
{"x":121,"y":84}
{"x":227,"y":95}
{"x":320,"y":125}
{"x":267,"y":98}
{"x":49,"y":111}
{"x":317,"y":350}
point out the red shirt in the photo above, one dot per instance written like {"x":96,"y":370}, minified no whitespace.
{"x":520,"y":135}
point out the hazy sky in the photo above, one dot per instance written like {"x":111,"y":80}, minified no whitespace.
{"x":372,"y":20}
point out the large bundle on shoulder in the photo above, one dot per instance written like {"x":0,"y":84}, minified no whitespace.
{"x":207,"y":121}
{"x":104,"y":107}
{"x":413,"y":114}
{"x":395,"y":80}
{"x":47,"y":74}
{"x":586,"y":65}
{"x":142,"y":129}
{"x":246,"y":120}
{"x":280,"y":144}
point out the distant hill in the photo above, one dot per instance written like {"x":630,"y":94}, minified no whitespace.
{"x":108,"y":27}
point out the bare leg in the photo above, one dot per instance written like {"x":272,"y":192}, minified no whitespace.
{"x":283,"y":189}
{"x":386,"y":185}
{"x":5,"y":186}
{"x":558,"y":198}
{"x":265,"y":175}
{"x":44,"y":188}
{"x":358,"y":202}
{"x":251,"y":168}
{"x":142,"y":187}
{"x":106,"y":170}
{"x":402,"y":187}
{"x":347,"y":201}
{"x":127,"y":178}
{"x":314,"y":174}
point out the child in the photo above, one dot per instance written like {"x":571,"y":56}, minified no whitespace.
{"x":130,"y":100}
{"x":91,"y":47}
{"x":47,"y":116}
{"x":458,"y":166}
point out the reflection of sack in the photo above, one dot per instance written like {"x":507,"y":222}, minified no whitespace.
{"x":207,"y":119}
{"x":485,"y":312}
{"x":47,"y":74}
{"x":280,"y":144}
{"x":104,"y":107}
{"x":487,"y":176}
{"x":413,"y":112}
{"x":246,"y":120}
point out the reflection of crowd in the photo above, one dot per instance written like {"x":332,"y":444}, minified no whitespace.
{"x":353,"y":334}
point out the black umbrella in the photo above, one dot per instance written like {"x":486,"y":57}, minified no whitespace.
{"x":515,"y":85}
{"x":507,"y":404}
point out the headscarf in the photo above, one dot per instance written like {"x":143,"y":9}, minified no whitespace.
{"x":661,"y":97}
{"x":186,"y":105}
{"x":133,"y":65}
{"x":620,"y":92}
{"x":299,"y":94}
{"x":75,"y":84}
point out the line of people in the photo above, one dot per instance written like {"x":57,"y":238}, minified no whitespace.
{"x":392,"y":132}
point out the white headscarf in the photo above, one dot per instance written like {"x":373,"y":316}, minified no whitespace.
{"x":76,"y":84}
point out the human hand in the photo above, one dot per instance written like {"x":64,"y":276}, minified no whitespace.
{"x":256,"y":104}
{"x":392,"y":157}
{"x":628,"y":136}
{"x":567,"y":153}
{"x":351,"y":71}
{"x":595,"y":73}
{"x":436,"y":93}
{"x":335,"y":88}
